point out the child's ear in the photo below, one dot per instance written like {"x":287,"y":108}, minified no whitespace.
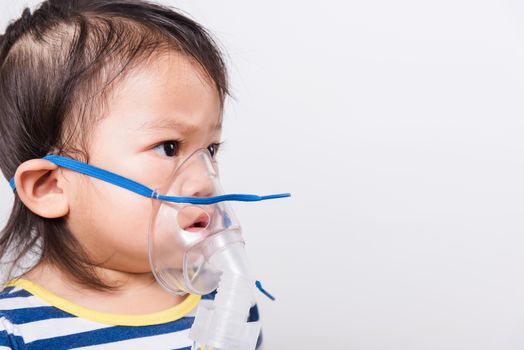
{"x":37,"y":186}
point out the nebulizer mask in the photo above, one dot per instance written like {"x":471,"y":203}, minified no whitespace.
{"x":196,"y":246}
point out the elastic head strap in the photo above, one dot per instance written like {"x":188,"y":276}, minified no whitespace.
{"x":143,"y":190}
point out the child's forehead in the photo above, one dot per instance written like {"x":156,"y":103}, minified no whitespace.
{"x":170,"y":92}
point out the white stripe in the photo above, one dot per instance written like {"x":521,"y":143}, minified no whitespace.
{"x":57,"y":327}
{"x":20,"y":303}
{"x":5,"y":348}
{"x":8,"y":326}
{"x":158,"y":342}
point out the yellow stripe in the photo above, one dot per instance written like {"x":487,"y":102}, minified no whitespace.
{"x":168,"y":315}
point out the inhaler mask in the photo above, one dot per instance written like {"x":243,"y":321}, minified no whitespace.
{"x":183,"y":237}
{"x":198,"y":248}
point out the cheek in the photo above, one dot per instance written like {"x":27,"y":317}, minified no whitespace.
{"x":112,"y":223}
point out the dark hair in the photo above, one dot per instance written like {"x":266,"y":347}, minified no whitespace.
{"x":57,"y":66}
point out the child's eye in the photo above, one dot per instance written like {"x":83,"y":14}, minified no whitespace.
{"x":213,"y":149}
{"x":168,"y":148}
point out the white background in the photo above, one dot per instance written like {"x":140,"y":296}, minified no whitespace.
{"x":398,"y":127}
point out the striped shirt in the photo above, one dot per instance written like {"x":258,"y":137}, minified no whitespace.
{"x":32,"y":317}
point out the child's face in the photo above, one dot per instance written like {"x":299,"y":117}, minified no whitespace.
{"x":154,"y":107}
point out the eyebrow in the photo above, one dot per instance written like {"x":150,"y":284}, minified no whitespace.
{"x":170,"y":124}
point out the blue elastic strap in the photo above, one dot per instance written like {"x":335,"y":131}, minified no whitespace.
{"x":263,"y":291}
{"x":143,"y":190}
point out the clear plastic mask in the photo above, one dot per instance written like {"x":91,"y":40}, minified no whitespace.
{"x":182,"y":236}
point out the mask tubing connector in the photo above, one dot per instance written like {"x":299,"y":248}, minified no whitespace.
{"x":223,"y":325}
{"x":155,"y":194}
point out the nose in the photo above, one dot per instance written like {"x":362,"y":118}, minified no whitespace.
{"x":196,"y":181}
{"x":198,"y":187}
